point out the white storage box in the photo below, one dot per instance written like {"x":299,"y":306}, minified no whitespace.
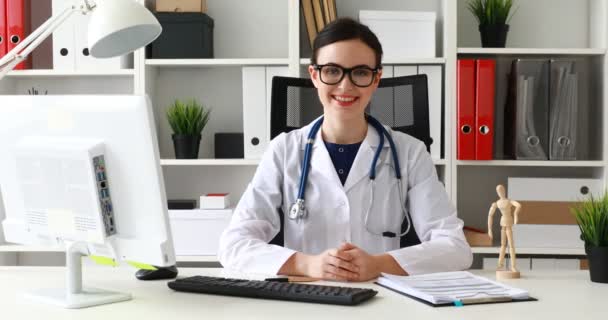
{"x":215,"y":201}
{"x":403,"y":34}
{"x":197,"y":232}
{"x":547,"y":236}
{"x":553,"y":189}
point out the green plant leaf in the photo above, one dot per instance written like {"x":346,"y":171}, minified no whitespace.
{"x":491,"y":12}
{"x":189,"y":118}
{"x":592,"y":218}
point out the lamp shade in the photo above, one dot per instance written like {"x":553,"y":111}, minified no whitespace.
{"x":118,"y":27}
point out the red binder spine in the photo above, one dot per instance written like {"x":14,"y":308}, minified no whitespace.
{"x":18,"y":21}
{"x":484,"y":104}
{"x":2,"y":28}
{"x":466,"y":109}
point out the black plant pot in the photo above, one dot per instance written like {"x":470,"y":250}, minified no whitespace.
{"x":186,"y":146}
{"x":598,"y":263}
{"x":493,"y":35}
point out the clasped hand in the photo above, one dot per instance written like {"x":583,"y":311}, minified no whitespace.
{"x":345,"y":263}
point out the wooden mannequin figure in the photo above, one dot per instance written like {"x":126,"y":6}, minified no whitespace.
{"x":508,"y":219}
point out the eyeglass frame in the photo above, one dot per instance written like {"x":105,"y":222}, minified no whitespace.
{"x":374,"y":71}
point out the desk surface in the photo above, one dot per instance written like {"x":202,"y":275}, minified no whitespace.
{"x":562,"y":295}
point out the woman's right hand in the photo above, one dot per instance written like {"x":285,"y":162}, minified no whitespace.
{"x":332,"y":264}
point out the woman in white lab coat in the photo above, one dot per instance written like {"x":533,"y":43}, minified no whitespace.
{"x":333,"y":241}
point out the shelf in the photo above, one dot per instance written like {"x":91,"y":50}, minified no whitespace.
{"x":533,"y":51}
{"x":306,"y":61}
{"x":539,"y":251}
{"x":215,"y":62}
{"x":209,"y":162}
{"x":61,"y":73}
{"x":532,"y":163}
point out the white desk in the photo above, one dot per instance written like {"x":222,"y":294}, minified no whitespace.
{"x":562,"y":295}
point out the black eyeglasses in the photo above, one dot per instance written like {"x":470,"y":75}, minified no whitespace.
{"x":361,"y":76}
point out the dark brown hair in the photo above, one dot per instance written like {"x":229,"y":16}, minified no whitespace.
{"x":346,"y":29}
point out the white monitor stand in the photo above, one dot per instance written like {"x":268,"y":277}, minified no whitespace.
{"x":74,"y":295}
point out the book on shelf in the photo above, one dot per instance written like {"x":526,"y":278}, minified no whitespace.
{"x":333,"y":11}
{"x":326,"y":16}
{"x":317,"y":14}
{"x":309,"y":20}
{"x":319,"y":18}
{"x":564,"y":108}
{"x":544,"y":108}
{"x":485,"y":75}
{"x":475,"y":109}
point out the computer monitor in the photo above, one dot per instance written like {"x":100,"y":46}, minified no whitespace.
{"x":83,"y":172}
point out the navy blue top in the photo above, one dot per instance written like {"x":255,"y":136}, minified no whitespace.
{"x":343,"y":156}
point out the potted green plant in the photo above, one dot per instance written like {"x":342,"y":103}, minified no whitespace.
{"x":493,"y":18}
{"x":187,"y":119}
{"x":592,"y":218}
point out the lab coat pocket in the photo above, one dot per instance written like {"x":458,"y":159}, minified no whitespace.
{"x":385,"y":214}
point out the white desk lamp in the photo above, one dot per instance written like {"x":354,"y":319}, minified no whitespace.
{"x":117,"y":27}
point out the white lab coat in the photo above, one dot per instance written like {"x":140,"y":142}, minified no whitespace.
{"x":336,"y":213}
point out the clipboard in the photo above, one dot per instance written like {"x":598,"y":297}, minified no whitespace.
{"x":460,"y":303}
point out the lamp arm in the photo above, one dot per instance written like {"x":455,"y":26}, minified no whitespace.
{"x":31,"y":42}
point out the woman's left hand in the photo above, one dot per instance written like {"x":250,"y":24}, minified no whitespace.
{"x":369,"y":265}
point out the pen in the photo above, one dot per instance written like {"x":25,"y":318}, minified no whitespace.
{"x":283,"y":279}
{"x":461,"y":302}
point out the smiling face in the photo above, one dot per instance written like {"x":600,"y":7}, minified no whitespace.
{"x":344,"y":100}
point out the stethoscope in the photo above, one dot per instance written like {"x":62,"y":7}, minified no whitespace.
{"x":298,"y":209}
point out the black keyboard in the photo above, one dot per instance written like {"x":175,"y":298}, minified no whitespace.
{"x":273,"y":290}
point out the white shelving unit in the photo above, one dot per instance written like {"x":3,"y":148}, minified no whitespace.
{"x":272,"y":33}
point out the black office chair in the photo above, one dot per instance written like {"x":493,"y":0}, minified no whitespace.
{"x":401,"y":103}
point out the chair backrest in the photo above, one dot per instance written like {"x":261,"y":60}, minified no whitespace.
{"x":401,"y":103}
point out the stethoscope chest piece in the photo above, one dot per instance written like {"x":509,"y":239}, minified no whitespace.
{"x":298,"y":210}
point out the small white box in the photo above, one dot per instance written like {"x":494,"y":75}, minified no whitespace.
{"x":402,"y":34}
{"x":547,"y":236}
{"x":553,"y":189}
{"x":215,"y":201}
{"x":197,"y":232}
